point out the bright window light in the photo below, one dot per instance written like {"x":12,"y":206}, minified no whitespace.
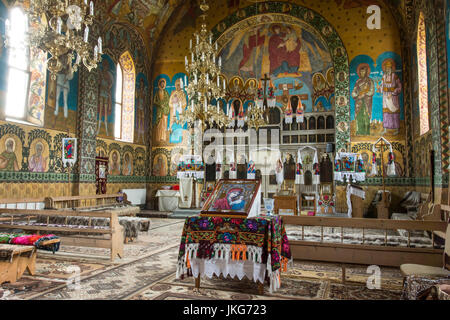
{"x":18,"y":62}
{"x":118,"y":106}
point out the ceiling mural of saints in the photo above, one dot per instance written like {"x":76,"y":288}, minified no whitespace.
{"x":294,"y":56}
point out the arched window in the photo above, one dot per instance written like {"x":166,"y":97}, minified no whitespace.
{"x":25,"y":99}
{"x":124,"y":106}
{"x":422,"y":75}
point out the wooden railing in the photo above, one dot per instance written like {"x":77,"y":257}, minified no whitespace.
{"x":364,"y":253}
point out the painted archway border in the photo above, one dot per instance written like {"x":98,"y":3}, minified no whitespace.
{"x":243,"y":19}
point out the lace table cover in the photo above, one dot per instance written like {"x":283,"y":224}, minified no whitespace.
{"x":254,"y":247}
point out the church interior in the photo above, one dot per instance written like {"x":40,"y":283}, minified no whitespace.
{"x":224,"y":150}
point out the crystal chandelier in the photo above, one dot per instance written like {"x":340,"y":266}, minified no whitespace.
{"x":61,"y":28}
{"x":204,"y":80}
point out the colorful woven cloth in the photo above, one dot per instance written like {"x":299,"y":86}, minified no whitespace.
{"x":260,"y":240}
{"x":30,"y":240}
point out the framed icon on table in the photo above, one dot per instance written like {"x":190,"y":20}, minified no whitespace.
{"x":235,"y":198}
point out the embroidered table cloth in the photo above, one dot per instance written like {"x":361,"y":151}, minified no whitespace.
{"x":253,"y":247}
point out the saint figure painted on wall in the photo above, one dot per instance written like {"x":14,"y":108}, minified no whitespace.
{"x":363,"y":93}
{"x":114,"y":167}
{"x":177,"y":104}
{"x":161,"y":104}
{"x":141,"y":102}
{"x":284,"y":51}
{"x":8,"y":159}
{"x":38,"y":162}
{"x":391,"y":88}
{"x":105,"y":96}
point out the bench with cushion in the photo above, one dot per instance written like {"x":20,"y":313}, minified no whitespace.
{"x":110,"y":236}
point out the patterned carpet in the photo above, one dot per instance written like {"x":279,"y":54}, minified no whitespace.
{"x":147,"y":272}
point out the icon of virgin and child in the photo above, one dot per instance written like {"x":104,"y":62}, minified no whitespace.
{"x":234,"y":200}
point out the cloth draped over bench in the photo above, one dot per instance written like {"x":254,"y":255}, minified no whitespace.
{"x":30,"y":240}
{"x":252,"y":247}
{"x":131,"y":225}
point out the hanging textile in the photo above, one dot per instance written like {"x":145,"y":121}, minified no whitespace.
{"x":299,"y":178}
{"x":337,"y":167}
{"x":288,"y":113}
{"x":271,"y":99}
{"x":279,"y":171}
{"x":260,"y":96}
{"x":219,"y":165}
{"x":233,"y":168}
{"x":316,"y":168}
{"x":374,"y":171}
{"x":231,"y":115}
{"x":251,"y":170}
{"x":360,"y":171}
{"x":299,"y":117}
{"x":241,"y":116}
{"x":391,"y":163}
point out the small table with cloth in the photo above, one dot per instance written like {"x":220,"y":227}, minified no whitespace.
{"x":256,"y":247}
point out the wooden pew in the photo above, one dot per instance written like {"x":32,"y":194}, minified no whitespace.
{"x":111,"y":237}
{"x":93,"y":202}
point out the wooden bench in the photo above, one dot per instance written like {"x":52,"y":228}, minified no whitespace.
{"x":99,"y":202}
{"x":109,"y":237}
{"x":16,"y":259}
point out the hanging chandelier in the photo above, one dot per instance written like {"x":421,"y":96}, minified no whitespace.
{"x":204,"y":80}
{"x":61,"y":28}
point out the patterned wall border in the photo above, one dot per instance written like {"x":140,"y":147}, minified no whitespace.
{"x":39,"y":177}
{"x":341,"y":64}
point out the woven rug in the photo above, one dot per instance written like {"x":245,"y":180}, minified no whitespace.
{"x":302,"y":281}
{"x":147,"y":272}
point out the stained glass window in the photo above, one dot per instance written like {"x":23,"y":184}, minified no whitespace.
{"x":125,"y":91}
{"x":422,"y":75}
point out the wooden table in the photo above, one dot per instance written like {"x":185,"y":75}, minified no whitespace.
{"x":22,"y":258}
{"x":285,"y":202}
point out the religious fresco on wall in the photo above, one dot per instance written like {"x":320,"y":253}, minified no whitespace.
{"x":106,"y":96}
{"x":160,"y":165}
{"x":294,"y":57}
{"x":169,"y":101}
{"x":141,"y":13}
{"x":30,"y":150}
{"x":10,"y":153}
{"x":39,"y":156}
{"x":62,"y":101}
{"x":119,"y":38}
{"x":278,"y":50}
{"x":127,"y":168}
{"x":142,"y":105}
{"x":114,"y":163}
{"x":376,"y":104}
{"x":38,"y":80}
{"x":366,"y":151}
{"x":123,"y":158}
